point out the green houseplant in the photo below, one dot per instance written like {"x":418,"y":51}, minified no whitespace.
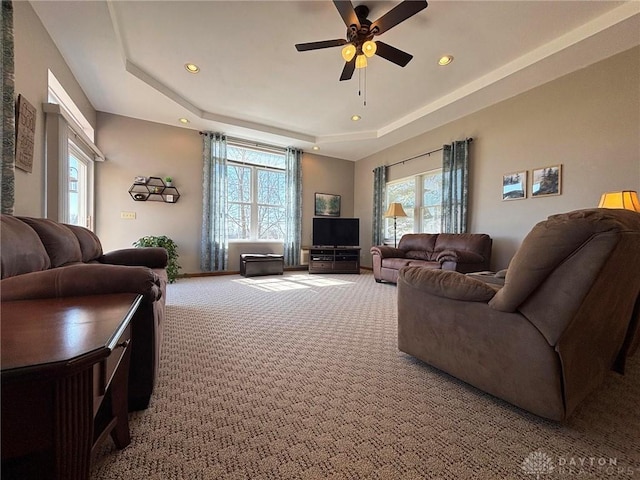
{"x":169,"y":245}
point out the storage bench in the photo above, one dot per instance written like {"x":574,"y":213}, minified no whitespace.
{"x":254,"y":264}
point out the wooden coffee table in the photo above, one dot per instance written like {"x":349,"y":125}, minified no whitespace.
{"x":65,"y":364}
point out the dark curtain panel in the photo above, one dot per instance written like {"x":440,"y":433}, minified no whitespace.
{"x":455,"y":187}
{"x":214,"y":254}
{"x":8,"y":133}
{"x":379,"y":186}
{"x":293,"y":208}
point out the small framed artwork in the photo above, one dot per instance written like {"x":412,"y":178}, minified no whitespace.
{"x":327,"y":205}
{"x":25,"y":133}
{"x":514,"y":186}
{"x":546,"y":181}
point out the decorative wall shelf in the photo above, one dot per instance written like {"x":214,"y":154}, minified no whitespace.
{"x":154,"y":190}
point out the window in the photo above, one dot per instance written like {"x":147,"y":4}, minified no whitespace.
{"x":78,"y":181}
{"x":71,"y":154}
{"x":256,"y":193}
{"x":421,"y":198}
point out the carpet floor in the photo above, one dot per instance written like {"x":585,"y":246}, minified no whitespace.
{"x":299,"y":377}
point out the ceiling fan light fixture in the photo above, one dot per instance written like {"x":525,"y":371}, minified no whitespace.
{"x":348,"y":52}
{"x":361,"y":61}
{"x":445,"y":60}
{"x":369,"y":48}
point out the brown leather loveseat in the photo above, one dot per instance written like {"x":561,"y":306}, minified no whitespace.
{"x":41,"y":258}
{"x":462,"y":252}
{"x":568,"y":312}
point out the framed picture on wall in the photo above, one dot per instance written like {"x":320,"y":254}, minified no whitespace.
{"x":25,"y":133}
{"x":546,"y":181}
{"x":327,"y":205}
{"x":514,"y":186}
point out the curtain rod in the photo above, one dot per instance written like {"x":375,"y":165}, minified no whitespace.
{"x":470,"y":139}
{"x":251,"y":143}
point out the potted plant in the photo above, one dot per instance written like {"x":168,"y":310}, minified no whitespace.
{"x":172,"y":250}
{"x":168,"y":181}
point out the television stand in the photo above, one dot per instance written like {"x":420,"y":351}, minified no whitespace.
{"x":334,"y":259}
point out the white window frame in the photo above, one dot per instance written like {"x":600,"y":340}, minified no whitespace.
{"x":418,"y":208}
{"x":70,"y":147}
{"x":253,"y":203}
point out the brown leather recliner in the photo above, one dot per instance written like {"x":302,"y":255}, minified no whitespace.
{"x":566,"y":315}
{"x":41,"y":258}
{"x":462,"y":252}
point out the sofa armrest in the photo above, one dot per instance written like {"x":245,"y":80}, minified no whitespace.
{"x":387,"y":252}
{"x":152,"y":257}
{"x":80,"y":280}
{"x":459,"y":256}
{"x":447,"y":284}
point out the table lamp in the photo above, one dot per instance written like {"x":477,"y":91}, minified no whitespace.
{"x":626,"y":199}
{"x":395,"y":210}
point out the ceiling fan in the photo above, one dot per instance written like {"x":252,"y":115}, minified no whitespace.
{"x":359,"y":44}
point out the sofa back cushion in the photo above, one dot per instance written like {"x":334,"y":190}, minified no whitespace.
{"x":418,"y":245}
{"x":61,"y":244}
{"x":90,"y":245}
{"x":22,"y":251}
{"x":479,"y":243}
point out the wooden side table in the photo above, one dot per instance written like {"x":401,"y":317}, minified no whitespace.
{"x":65,"y":364}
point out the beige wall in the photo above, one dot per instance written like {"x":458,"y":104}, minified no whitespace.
{"x":135,"y":147}
{"x":588,"y":121}
{"x":35,"y":53}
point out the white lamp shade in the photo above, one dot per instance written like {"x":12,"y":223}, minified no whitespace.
{"x":627,"y":199}
{"x":395,"y":210}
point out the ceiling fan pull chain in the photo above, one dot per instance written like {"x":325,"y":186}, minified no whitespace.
{"x":365,"y":87}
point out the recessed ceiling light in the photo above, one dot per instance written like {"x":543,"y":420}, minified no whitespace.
{"x":315,"y":147}
{"x":183,"y":120}
{"x":445,"y":60}
{"x":355,"y":118}
{"x":192,"y":67}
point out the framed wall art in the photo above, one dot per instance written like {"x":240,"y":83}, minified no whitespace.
{"x":327,"y":205}
{"x":546,"y":181}
{"x":514,"y":186}
{"x":25,"y":133}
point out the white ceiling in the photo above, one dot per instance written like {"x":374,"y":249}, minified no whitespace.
{"x":129,"y":58}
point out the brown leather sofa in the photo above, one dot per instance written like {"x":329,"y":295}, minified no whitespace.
{"x":41,"y":258}
{"x":568,"y":313}
{"x":462,"y":252}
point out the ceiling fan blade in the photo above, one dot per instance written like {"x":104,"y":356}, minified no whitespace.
{"x":397,"y":14}
{"x":347,"y":12}
{"x":392,"y":54}
{"x":303,"y":47}
{"x":347,"y":71}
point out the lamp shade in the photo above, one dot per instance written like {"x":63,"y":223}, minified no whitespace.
{"x":395,"y":210}
{"x":361,"y":61}
{"x":627,"y":199}
{"x":348,"y":52}
{"x":369,"y":48}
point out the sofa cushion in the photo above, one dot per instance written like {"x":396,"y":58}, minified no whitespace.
{"x":90,"y":245}
{"x":61,"y":244}
{"x":474,"y":242}
{"x":424,"y":264}
{"x":395,"y":263}
{"x":418,"y":241}
{"x":22,"y":250}
{"x":418,"y":255}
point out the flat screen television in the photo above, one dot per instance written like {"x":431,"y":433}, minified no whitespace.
{"x":336,"y":232}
